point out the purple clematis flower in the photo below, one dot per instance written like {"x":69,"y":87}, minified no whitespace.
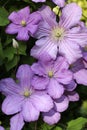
{"x":23,"y":98}
{"x":23,"y":23}
{"x":63,"y":37}
{"x":60,"y":3}
{"x":52,"y":76}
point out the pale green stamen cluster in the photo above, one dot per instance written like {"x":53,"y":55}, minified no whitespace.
{"x":58,"y":33}
{"x":23,"y":23}
{"x":27,"y":93}
{"x":85,"y":48}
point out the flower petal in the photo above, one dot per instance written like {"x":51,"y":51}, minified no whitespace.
{"x":39,"y":83}
{"x":13,"y":28}
{"x":47,"y":47}
{"x":12,"y":104}
{"x":24,"y":75}
{"x":73,"y":96}
{"x":42,"y":102}
{"x":30,"y":113}
{"x":71,"y":86}
{"x":55,"y":90}
{"x":71,"y":18}
{"x":51,"y":117}
{"x":70,"y":50}
{"x":17,"y":122}
{"x":60,"y":3}
{"x":61,"y":104}
{"x":2,"y":128}
{"x":23,"y":34}
{"x":81,"y":77}
{"x":9,"y":87}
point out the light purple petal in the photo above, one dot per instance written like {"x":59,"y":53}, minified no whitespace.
{"x":12,"y":104}
{"x":48,"y":15}
{"x":13,"y":28}
{"x":64,"y":77}
{"x":38,"y":69}
{"x":55,"y":90}
{"x":73,"y":96}
{"x":42,"y":102}
{"x":61,"y":104}
{"x":51,"y":117}
{"x":73,"y":16}
{"x":24,"y":13}
{"x":9,"y":87}
{"x":81,"y":77}
{"x":78,"y":37}
{"x":39,"y":83}
{"x":71,"y":86}
{"x":23,"y":34}
{"x":60,"y":64}
{"x":60,"y":3}
{"x":24,"y":75}
{"x":47,"y":47}
{"x":30,"y":113}
{"x":32,"y":29}
{"x":17,"y":122}
{"x":2,"y":128}
{"x":70,"y":50}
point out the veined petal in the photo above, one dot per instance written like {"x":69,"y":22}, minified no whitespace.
{"x":60,"y":3}
{"x":12,"y":104}
{"x":24,"y":13}
{"x":80,"y":38}
{"x":9,"y":87}
{"x":48,"y":47}
{"x":71,"y":18}
{"x":81,"y":76}
{"x":39,"y":83}
{"x":17,"y":122}
{"x":55,"y":90}
{"x":38,"y":1}
{"x":30,"y":113}
{"x":61,"y":104}
{"x":70,"y":50}
{"x":51,"y":117}
{"x":60,"y":64}
{"x":64,"y":77}
{"x":71,"y":86}
{"x":24,"y":75}
{"x":42,"y":102}
{"x":73,"y":96}
{"x":13,"y":28}
{"x":23,"y":34}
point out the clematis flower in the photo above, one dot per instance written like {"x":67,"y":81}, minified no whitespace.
{"x":52,"y":76}
{"x":23,"y":23}
{"x":63,"y":37}
{"x":60,"y":3}
{"x":22,"y":98}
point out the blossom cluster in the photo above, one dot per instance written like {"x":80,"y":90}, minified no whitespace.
{"x":48,"y":85}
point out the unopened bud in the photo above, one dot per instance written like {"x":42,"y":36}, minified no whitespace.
{"x":15,"y":43}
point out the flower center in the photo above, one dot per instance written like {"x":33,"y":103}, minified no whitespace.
{"x":50,"y":74}
{"x":23,"y":23}
{"x":58,"y":33}
{"x":27,"y":93}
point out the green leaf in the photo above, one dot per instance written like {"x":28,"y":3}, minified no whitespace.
{"x":9,"y":53}
{"x":77,"y":124}
{"x":3,"y":17}
{"x":22,"y":48}
{"x":46,"y":127}
{"x":9,"y":65}
{"x":1,"y":51}
{"x":57,"y":128}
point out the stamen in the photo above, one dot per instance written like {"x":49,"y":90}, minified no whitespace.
{"x":23,"y":23}
{"x":50,"y":74}
{"x":27,"y":93}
